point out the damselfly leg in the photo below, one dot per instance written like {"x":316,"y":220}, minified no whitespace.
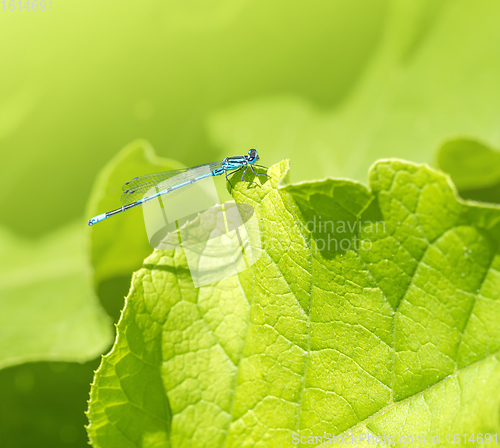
{"x":259,"y":174}
{"x":243,"y":176}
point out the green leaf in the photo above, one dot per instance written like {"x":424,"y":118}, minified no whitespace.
{"x":473,"y":167}
{"x":49,"y":311}
{"x":421,"y":87}
{"x":370,"y":311}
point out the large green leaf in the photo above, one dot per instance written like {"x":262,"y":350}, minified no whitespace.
{"x":370,"y":311}
{"x":431,"y":78}
{"x":49,"y":311}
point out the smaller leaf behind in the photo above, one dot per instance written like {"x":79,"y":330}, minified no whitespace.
{"x":474,"y":168}
{"x":119,"y":245}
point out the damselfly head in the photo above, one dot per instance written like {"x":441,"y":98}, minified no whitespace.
{"x":252,"y":154}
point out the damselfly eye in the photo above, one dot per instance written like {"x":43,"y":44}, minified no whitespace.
{"x":252,"y":153}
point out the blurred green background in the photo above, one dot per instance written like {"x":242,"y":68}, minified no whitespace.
{"x":332,"y":84}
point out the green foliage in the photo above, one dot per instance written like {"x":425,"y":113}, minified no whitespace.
{"x":470,"y":164}
{"x":395,"y":336}
{"x":333,"y":85}
{"x":473,"y":167}
{"x":49,"y":311}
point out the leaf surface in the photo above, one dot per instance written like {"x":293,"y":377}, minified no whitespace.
{"x":370,"y":310}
